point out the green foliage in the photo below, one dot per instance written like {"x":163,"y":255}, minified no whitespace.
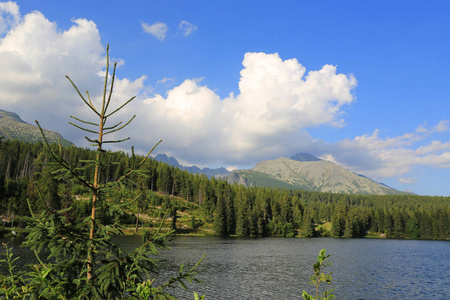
{"x":196,"y":223}
{"x":320,"y":277}
{"x":220,"y":217}
{"x":11,"y":281}
{"x":308,"y":228}
{"x":76,"y":258}
{"x":253,"y":211}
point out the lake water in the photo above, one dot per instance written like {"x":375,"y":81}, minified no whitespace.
{"x":279,"y":268}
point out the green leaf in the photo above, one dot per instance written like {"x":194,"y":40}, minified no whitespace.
{"x":45,"y":272}
{"x":306,"y":296}
{"x":321,"y":254}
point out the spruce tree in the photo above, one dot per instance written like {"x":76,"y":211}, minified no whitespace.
{"x":308,"y":226}
{"x":412,"y":229}
{"x":349,"y":228}
{"x":79,"y":260}
{"x":398,"y":225}
{"x":242,"y":226}
{"x":338,"y":223}
{"x":220,"y":216}
{"x":230,"y":211}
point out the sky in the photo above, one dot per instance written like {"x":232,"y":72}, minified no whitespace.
{"x":364,"y":84}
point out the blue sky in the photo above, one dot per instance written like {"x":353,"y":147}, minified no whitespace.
{"x":361,"y":83}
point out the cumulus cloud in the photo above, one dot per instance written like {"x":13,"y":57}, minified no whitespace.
{"x":442,"y":126}
{"x":277,"y":99}
{"x":9,"y":16}
{"x":187,"y":28}
{"x":36,"y":55}
{"x":157,"y":29}
{"x":379,"y":157}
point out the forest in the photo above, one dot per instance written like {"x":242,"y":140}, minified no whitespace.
{"x":227,"y":209}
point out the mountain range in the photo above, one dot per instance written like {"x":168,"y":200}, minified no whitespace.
{"x":306,"y":172}
{"x":218,"y":172}
{"x":302,"y":171}
{"x":13,"y":127}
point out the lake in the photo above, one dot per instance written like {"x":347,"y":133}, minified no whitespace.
{"x":279,"y":268}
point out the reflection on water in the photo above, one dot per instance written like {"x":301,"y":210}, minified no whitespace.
{"x":279,"y":268}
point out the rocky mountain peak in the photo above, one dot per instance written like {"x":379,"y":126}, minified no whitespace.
{"x":304,"y":157}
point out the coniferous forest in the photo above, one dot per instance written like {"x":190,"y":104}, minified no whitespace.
{"x":213,"y":204}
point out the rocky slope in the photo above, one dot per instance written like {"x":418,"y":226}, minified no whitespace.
{"x":13,"y":127}
{"x":312,"y":175}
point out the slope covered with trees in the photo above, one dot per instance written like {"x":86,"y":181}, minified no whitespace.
{"x":230,"y":209}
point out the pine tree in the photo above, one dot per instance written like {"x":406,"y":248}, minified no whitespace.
{"x":398,"y":230}
{"x":338,"y":223}
{"x":349,"y":227}
{"x":412,"y":229}
{"x":308,"y":226}
{"x":220,"y":216}
{"x":83,"y":262}
{"x":242,"y":226}
{"x":230,"y":210}
{"x":388,"y":224}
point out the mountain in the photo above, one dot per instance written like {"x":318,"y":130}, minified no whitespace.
{"x":13,"y":127}
{"x":218,"y":172}
{"x":168,"y":160}
{"x":309,"y":173}
{"x":303,"y":171}
{"x":304,"y":157}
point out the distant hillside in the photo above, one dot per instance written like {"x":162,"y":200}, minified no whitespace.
{"x":13,"y":127}
{"x":218,"y":172}
{"x":310,"y":175}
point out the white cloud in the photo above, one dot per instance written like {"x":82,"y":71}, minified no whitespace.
{"x":9,"y":16}
{"x":407,"y":180}
{"x":157,"y":29}
{"x":379,"y":157}
{"x":187,"y":28}
{"x":36,"y":55}
{"x":433,"y":147}
{"x":165,"y":80}
{"x":276,"y":101}
{"x":442,"y":126}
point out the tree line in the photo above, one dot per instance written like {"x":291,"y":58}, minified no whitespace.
{"x":232,"y":209}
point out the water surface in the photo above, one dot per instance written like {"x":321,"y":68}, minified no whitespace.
{"x":279,"y":268}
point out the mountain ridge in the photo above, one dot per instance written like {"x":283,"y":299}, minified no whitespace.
{"x":13,"y":127}
{"x":171,"y":161}
{"x":302,"y":156}
{"x":302,"y":171}
{"x":311,"y":175}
